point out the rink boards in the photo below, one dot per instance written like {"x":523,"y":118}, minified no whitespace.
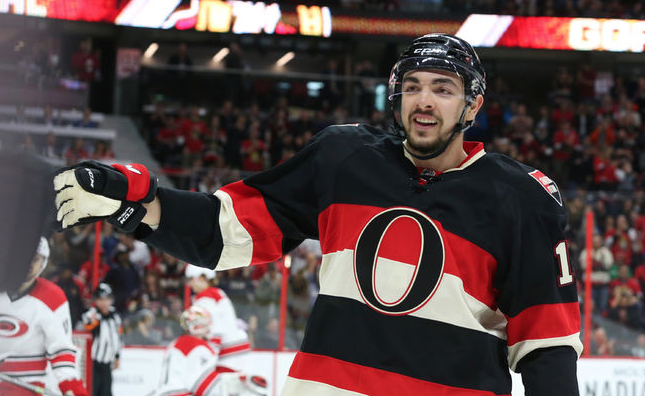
{"x":141,"y":367}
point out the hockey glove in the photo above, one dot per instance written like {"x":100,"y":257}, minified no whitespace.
{"x":91,"y":191}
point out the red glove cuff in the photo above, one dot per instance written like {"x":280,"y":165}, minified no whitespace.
{"x":75,"y":385}
{"x":138,"y":182}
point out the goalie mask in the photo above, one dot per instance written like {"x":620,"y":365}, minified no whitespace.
{"x":196,"y":321}
{"x":443,"y":52}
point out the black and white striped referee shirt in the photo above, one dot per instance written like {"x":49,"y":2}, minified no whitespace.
{"x":107,"y":331}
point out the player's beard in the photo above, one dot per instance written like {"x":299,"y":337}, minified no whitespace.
{"x":426,"y":148}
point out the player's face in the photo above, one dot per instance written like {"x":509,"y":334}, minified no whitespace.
{"x":431,"y":104}
{"x":36,"y":268}
{"x":197,"y":283}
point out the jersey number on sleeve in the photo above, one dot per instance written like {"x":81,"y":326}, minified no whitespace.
{"x":566,"y":277}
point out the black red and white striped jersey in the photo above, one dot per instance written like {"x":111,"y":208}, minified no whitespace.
{"x":35,"y":329}
{"x":428,"y":285}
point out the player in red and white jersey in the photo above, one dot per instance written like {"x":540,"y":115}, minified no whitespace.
{"x":36,"y":330}
{"x":190,"y":364}
{"x":226,"y":334}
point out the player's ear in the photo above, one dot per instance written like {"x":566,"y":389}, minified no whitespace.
{"x":474,"y":107}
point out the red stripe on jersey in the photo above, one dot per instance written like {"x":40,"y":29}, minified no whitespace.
{"x":544,"y":321}
{"x":24,"y":365}
{"x":210,"y":378}
{"x":231,"y":350}
{"x":64,"y":358}
{"x":341,"y":224}
{"x":367,"y":380}
{"x":187,"y":343}
{"x":251,"y":211}
{"x":212,"y":292}
{"x":49,"y":293}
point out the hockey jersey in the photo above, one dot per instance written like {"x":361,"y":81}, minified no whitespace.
{"x":226,"y":334}
{"x":426,"y":288}
{"x":190,"y":368}
{"x":35,"y":329}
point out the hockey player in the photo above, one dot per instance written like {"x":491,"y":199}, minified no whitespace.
{"x":443,"y":265}
{"x":226,"y":335}
{"x":36,"y":330}
{"x":190,"y":365}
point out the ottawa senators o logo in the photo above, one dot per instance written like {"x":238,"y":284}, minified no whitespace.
{"x":398,"y":261}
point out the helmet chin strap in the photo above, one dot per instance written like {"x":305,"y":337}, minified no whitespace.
{"x":459,"y":127}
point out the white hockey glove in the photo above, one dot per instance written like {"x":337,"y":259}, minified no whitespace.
{"x":91,"y":191}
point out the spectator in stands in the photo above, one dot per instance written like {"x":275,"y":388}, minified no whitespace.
{"x":86,"y":120}
{"x":234,"y":138}
{"x":585,"y":80}
{"x":601,"y":345}
{"x":626,"y":302}
{"x":50,"y":149}
{"x":138,"y":252}
{"x":85,"y":63}
{"x":620,"y":241}
{"x":143,"y":332}
{"x":254,"y":150}
{"x":638,"y":350}
{"x":123,"y":277}
{"x":48,"y":117}
{"x":604,"y":176}
{"x":77,"y":152}
{"x":65,"y":279}
{"x":519,"y":125}
{"x":565,"y":142}
{"x":20,"y":117}
{"x":171,"y":274}
{"x":102,"y":151}
{"x":603,"y":135}
{"x":179,"y":81}
{"x":601,"y":262}
{"x":86,"y":273}
{"x":563,"y":112}
{"x":585,"y":119}
{"x":193,"y":147}
{"x":267,"y":293}
{"x":155,"y":122}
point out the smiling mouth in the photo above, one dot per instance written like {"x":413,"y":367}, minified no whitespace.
{"x":424,"y":121}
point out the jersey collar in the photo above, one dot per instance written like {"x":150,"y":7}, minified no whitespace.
{"x":474,"y":151}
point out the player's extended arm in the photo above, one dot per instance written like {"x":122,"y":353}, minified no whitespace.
{"x":127,"y":196}
{"x":550,"y":372}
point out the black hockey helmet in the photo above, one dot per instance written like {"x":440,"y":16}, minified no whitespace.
{"x":438,"y":51}
{"x":103,"y":290}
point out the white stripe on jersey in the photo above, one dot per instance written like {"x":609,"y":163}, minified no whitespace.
{"x":517,"y":351}
{"x":238,"y":244}
{"x":450,"y":303}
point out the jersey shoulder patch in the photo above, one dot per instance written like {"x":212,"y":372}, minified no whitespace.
{"x":547,"y":184}
{"x":186,"y":343}
{"x":49,"y":293}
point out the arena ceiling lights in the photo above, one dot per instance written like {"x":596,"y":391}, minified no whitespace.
{"x":579,"y":34}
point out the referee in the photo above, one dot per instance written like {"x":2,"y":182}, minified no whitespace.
{"x":105,"y":325}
